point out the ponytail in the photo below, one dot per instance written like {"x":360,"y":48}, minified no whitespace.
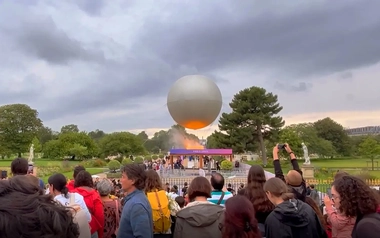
{"x":287,"y":196}
{"x":65,"y":192}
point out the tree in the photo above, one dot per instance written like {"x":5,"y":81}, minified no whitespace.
{"x":69,"y":128}
{"x":370,"y":148}
{"x":287,"y":135}
{"x":46,"y":134}
{"x":126,"y":161}
{"x":37,"y":145}
{"x":253,"y":117}
{"x":97,"y":135}
{"x":143,"y":136}
{"x":309,"y":135}
{"x":121,"y":143}
{"x":113,"y":165}
{"x":330,"y":130}
{"x":19,"y":124}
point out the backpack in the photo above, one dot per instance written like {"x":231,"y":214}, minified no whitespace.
{"x":160,"y":211}
{"x":80,"y":217}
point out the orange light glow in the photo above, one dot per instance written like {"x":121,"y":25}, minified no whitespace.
{"x":194,"y":125}
{"x":192,"y":145}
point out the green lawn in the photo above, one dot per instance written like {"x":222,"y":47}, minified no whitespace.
{"x":69,"y":175}
{"x":40,"y":162}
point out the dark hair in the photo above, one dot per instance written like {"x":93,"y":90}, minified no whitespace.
{"x":278,"y":188}
{"x":83,"y":179}
{"x":238,"y":222}
{"x":21,"y":199}
{"x":356,"y":197}
{"x":317,"y":211}
{"x":199,"y":187}
{"x":340,"y":174}
{"x":254,"y":190}
{"x":180,"y":200}
{"x":135,"y":172}
{"x":217,"y":181}
{"x":312,"y":186}
{"x":152,"y":181}
{"x":19,"y":166}
{"x":78,"y":169}
{"x":59,"y":184}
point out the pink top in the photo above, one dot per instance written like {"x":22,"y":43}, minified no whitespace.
{"x":341,"y":225}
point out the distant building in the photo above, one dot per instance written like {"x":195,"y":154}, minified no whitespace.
{"x":362,"y":131}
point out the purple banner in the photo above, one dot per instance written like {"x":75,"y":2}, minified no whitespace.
{"x":201,"y":152}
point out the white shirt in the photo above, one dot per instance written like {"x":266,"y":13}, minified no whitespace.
{"x":78,"y":201}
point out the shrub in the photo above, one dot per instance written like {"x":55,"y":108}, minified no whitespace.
{"x":126,"y":161}
{"x":113,"y":165}
{"x":93,"y":163}
{"x":161,"y":156}
{"x":226,"y":165}
{"x":139,"y":160}
{"x":154,"y":157}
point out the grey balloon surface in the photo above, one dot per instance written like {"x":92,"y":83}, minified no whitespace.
{"x":194,"y":101}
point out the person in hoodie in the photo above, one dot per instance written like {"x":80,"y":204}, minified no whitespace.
{"x":291,"y":217}
{"x":84,"y":185}
{"x":70,"y":184}
{"x":200,"y":218}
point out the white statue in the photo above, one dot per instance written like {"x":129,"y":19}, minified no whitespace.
{"x":305,"y":154}
{"x":31,"y":154}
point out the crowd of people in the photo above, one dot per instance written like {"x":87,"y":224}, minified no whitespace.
{"x":140,"y":206}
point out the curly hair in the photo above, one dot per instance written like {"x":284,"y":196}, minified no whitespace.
{"x":83,"y":179}
{"x":240,"y":223}
{"x":37,"y":215}
{"x":254,"y":190}
{"x":356,"y":197}
{"x":152,"y":181}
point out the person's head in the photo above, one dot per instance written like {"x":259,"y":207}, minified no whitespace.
{"x":312,"y":186}
{"x":173,"y":190}
{"x":185,"y":184}
{"x":78,"y":169}
{"x":277,"y":191}
{"x":21,"y":199}
{"x":353,"y":197}
{"x":19,"y":166}
{"x":293,"y":178}
{"x":57,"y":185}
{"x":181,"y":201}
{"x":133,"y":177}
{"x":340,"y":174}
{"x":104,"y":187}
{"x":199,"y":187}
{"x":83,"y":179}
{"x":152,"y":181}
{"x":254,"y":190}
{"x":240,"y":222}
{"x":217,"y":181}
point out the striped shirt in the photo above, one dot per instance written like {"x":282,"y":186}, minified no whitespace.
{"x":215,"y":196}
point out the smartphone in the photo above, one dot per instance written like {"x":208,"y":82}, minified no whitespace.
{"x":4,"y":174}
{"x":30,"y":169}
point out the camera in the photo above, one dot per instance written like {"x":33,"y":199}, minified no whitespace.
{"x":281,"y":146}
{"x":4,"y":174}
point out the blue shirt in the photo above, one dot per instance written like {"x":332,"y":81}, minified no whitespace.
{"x":215,"y":196}
{"x":136,"y":219}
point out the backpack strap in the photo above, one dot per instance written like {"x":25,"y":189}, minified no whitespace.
{"x":221,"y":198}
{"x":161,"y":211}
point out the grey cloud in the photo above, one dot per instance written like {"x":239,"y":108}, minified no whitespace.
{"x":291,"y":87}
{"x":310,"y":41}
{"x":42,"y":39}
{"x":345,"y":76}
{"x":91,"y":7}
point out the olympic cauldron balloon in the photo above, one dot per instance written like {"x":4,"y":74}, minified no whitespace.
{"x":194,"y":101}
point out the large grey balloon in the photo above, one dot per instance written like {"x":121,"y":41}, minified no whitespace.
{"x":194,"y":101}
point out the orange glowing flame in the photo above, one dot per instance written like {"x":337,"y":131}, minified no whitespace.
{"x":195,"y":125}
{"x":192,"y":145}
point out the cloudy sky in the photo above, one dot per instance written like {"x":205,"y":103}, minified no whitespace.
{"x":110,"y":64}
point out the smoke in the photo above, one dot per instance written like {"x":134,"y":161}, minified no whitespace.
{"x":180,"y":140}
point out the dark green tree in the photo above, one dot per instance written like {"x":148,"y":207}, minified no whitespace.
{"x":254,"y":117}
{"x":19,"y":124}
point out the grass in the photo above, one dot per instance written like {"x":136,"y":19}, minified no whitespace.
{"x":40,"y":162}
{"x":69,"y":175}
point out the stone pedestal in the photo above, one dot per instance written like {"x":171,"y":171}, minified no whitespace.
{"x":307,"y":171}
